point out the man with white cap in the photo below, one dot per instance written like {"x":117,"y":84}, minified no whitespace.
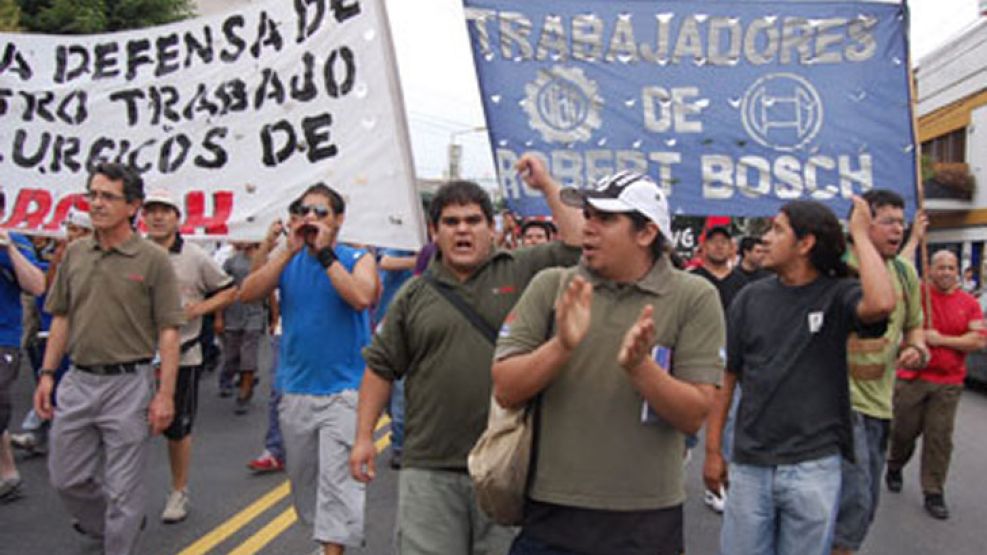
{"x":613,"y":408}
{"x":204,"y":288}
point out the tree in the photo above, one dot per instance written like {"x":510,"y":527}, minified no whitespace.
{"x":73,"y":17}
{"x":10,"y":16}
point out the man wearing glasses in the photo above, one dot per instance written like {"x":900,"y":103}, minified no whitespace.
{"x":325,"y":289}
{"x":115,"y":301}
{"x":872,"y":364}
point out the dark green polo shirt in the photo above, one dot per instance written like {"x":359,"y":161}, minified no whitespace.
{"x":116,"y":301}
{"x":595,"y":450}
{"x":445,"y":360}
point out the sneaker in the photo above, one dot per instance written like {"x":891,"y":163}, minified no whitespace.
{"x":225,"y":391}
{"x":396,"y":461}
{"x":241,"y":406}
{"x":176,"y":507}
{"x":935,"y":505}
{"x":10,"y":489}
{"x":266,"y":463}
{"x":29,"y":443}
{"x":893,"y":480}
{"x":715,"y":501}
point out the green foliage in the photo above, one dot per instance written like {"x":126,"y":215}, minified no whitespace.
{"x":72,"y":17}
{"x":10,"y":16}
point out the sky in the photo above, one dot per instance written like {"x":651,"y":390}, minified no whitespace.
{"x":442,"y":99}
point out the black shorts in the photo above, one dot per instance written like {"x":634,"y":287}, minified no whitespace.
{"x":186,"y":402}
{"x":550,"y":528}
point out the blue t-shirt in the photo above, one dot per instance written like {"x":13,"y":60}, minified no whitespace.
{"x":45,"y":317}
{"x":11,"y":316}
{"x":390,"y":281}
{"x":322,"y":335}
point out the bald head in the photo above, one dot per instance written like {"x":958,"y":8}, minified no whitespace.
{"x":944,"y":256}
{"x":944,"y":270}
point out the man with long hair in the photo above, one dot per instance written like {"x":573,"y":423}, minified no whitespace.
{"x":786,"y":345}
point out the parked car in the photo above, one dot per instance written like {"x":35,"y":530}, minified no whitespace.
{"x":976,"y":368}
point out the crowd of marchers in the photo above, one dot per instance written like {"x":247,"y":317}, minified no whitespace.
{"x":813,"y":355}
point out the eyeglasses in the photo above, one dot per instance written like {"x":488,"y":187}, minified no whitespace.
{"x":890,"y":222}
{"x":320,"y":211}
{"x":102,"y":195}
{"x":454,"y":221}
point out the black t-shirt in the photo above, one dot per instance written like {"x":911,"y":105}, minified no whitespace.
{"x":757,"y":274}
{"x":728,"y":287}
{"x":787,"y":346}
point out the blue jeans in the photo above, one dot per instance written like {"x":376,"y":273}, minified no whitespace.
{"x":396,"y":409}
{"x":726,"y":440}
{"x":788,"y":509}
{"x":272,"y":440}
{"x":861,"y":481}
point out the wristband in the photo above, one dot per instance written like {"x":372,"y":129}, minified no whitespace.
{"x":47,"y":372}
{"x":326,"y":257}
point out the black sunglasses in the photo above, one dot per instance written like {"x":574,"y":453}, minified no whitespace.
{"x":320,"y":211}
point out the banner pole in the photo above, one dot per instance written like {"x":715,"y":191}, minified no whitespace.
{"x":923,"y":259}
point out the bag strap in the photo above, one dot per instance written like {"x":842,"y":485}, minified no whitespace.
{"x":467,"y":311}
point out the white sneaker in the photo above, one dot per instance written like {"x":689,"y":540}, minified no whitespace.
{"x":176,"y":507}
{"x":714,"y":501}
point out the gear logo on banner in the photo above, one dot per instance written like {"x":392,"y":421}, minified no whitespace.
{"x":782,"y":111}
{"x":563,"y":105}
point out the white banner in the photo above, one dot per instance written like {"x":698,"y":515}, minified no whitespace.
{"x":235,"y":114}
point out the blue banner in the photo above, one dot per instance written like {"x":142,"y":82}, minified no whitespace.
{"x":734,"y":107}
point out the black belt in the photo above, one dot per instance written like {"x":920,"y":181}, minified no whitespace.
{"x":114,"y":369}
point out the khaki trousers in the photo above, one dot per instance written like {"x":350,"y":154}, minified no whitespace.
{"x":438,"y":515}
{"x":926,"y":409}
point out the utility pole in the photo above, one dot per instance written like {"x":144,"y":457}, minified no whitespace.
{"x":456,"y":150}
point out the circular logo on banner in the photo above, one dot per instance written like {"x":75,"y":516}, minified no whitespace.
{"x":782,"y":111}
{"x":563,"y":105}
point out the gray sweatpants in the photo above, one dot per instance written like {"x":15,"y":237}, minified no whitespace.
{"x":318,"y":433}
{"x":98,"y":453}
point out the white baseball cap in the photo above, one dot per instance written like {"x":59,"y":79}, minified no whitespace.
{"x":625,"y":192}
{"x":78,"y":218}
{"x":162,"y":196}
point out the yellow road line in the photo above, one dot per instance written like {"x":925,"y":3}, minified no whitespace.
{"x":233,"y":524}
{"x":383,"y":442}
{"x":237,"y":521}
{"x":384,"y":421}
{"x":265,"y":535}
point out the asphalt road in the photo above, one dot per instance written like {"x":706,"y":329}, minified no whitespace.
{"x":236,"y":512}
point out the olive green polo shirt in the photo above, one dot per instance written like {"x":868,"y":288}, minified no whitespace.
{"x":445,"y":360}
{"x":873,"y":397}
{"x":596,"y":449}
{"x":116,"y":300}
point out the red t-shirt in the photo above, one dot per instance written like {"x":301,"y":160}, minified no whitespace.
{"x":952,"y":314}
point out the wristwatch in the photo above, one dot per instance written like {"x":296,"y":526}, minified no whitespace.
{"x":47,"y":372}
